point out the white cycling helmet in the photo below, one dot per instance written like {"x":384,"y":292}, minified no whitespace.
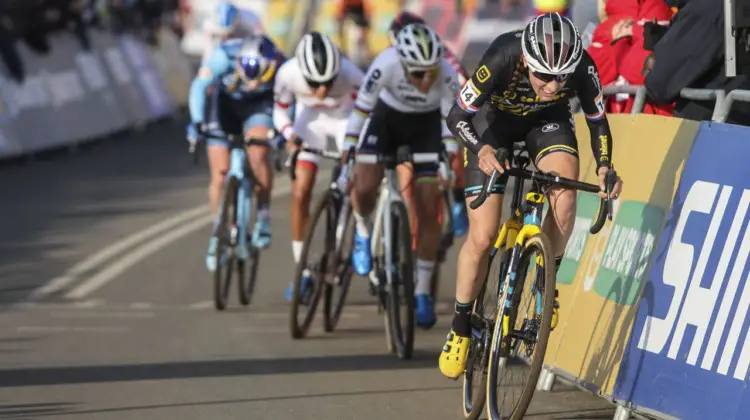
{"x":419,"y":46}
{"x":318,"y":58}
{"x":552,"y":45}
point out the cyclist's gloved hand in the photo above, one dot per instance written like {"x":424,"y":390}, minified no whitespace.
{"x":489,"y":162}
{"x":606,"y":173}
{"x":194,"y":132}
{"x":293,"y":144}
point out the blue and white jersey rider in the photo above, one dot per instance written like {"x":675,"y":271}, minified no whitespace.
{"x":240,"y":70}
{"x":241,"y":74}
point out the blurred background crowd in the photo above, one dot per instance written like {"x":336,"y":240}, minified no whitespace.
{"x":32,"y":22}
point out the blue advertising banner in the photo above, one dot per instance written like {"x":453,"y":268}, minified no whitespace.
{"x":689,"y":352}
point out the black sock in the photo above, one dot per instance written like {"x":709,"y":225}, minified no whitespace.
{"x":462,"y":319}
{"x":459,"y":196}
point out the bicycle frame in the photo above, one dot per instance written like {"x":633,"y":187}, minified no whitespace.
{"x":239,"y":169}
{"x":389,"y":194}
{"x":525,"y":222}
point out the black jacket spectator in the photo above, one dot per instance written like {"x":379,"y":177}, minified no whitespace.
{"x":691,"y":54}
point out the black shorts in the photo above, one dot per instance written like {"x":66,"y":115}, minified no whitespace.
{"x":545,"y":132}
{"x":357,"y":15}
{"x":232,"y":116}
{"x":387,"y":129}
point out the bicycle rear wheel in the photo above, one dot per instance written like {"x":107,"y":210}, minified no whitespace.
{"x":342,"y":270}
{"x":312,"y":268}
{"x":446,"y":241}
{"x":529,"y":325}
{"x":226,"y":239}
{"x":400,"y":302}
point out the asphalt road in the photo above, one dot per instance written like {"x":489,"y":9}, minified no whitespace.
{"x":133,"y":334}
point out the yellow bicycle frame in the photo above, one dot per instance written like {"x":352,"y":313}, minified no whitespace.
{"x":514,"y":232}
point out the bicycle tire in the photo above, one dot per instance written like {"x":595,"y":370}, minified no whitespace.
{"x":300,"y":329}
{"x":501,"y":345}
{"x":334,"y":296}
{"x":474,"y":395}
{"x":402,"y":289}
{"x":223,"y":273}
{"x":246,"y":283}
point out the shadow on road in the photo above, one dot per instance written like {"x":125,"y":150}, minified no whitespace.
{"x":208,"y":369}
{"x":49,"y":202}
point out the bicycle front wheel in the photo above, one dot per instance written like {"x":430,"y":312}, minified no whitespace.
{"x":226,"y":240}
{"x":312,"y":269}
{"x":400,"y":302}
{"x":516,"y":357}
{"x":247,"y":271}
{"x":342,"y":270}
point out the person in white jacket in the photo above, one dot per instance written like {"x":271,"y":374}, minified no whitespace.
{"x":230,"y":21}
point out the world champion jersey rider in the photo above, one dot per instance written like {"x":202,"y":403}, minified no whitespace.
{"x":242,"y":74}
{"x":323,"y":86}
{"x":525,"y":81}
{"x":408,"y":90}
{"x":460,"y":219}
{"x":229,"y":21}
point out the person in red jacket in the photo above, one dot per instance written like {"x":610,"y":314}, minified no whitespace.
{"x":617,"y":49}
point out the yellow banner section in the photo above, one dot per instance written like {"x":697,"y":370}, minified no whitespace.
{"x":278,"y":21}
{"x":382,"y":13}
{"x":601,"y":278}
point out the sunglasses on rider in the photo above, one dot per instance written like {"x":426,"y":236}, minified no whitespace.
{"x":420,"y":73}
{"x":315,"y":85}
{"x":546,"y":78}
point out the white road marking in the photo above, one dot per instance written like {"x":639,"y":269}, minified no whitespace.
{"x":147,"y":249}
{"x":206,"y":304}
{"x":277,"y":315}
{"x":141,"y":305}
{"x":113,"y":250}
{"x":46,"y":329}
{"x":91,"y":303}
{"x":101,"y":314}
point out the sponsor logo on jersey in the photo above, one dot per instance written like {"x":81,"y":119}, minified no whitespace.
{"x":550,"y":128}
{"x":483,"y":74}
{"x":595,"y":77}
{"x":370,"y":84}
{"x":466,"y":134}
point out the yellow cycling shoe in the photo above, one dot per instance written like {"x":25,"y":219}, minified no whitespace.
{"x":453,"y":356}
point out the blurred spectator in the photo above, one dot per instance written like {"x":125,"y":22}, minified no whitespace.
{"x":691,"y":54}
{"x":34,"y":21}
{"x":617,"y":49}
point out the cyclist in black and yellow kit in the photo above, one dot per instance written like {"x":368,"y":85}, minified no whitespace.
{"x":525,"y":79}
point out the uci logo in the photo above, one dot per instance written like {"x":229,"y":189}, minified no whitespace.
{"x":550,"y":127}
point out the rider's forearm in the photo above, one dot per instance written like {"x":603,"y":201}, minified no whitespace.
{"x":353,"y":128}
{"x":460,"y":123}
{"x":281,"y":120}
{"x":197,"y":101}
{"x":601,"y":142}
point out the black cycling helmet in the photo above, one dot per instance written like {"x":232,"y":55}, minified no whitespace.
{"x":402,"y":19}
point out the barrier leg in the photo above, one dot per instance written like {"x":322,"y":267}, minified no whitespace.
{"x":546,"y":380}
{"x":622,"y":413}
